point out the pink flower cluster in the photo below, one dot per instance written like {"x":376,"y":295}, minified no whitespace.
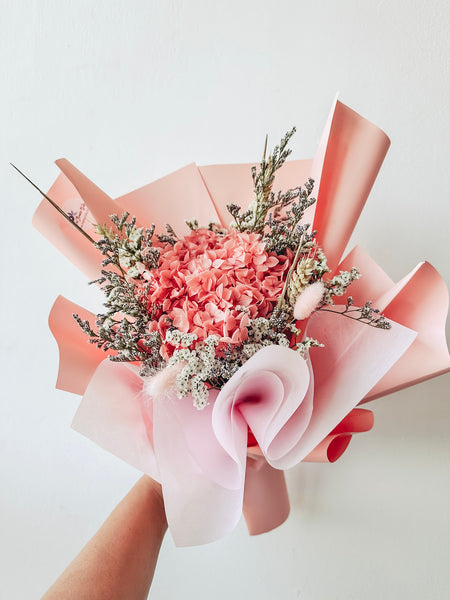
{"x":203,"y":278}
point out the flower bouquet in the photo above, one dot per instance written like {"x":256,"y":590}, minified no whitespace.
{"x":236,"y":341}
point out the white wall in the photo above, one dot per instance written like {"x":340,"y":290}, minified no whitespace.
{"x":129,"y":91}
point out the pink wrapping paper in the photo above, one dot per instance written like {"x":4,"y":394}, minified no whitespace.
{"x":200,"y":456}
{"x":77,"y":360}
{"x":295,"y":409}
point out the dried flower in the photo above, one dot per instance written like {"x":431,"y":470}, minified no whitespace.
{"x":163,"y":382}
{"x":337,"y":286}
{"x":308,"y":300}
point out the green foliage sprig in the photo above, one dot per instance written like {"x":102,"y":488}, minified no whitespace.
{"x":124,"y":247}
{"x":276,"y":217}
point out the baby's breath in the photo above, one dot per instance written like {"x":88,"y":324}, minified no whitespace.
{"x":337,"y":286}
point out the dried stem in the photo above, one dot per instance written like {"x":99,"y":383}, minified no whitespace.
{"x":58,"y":208}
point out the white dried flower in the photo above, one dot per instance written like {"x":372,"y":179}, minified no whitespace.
{"x":306,"y":344}
{"x":133,"y":271}
{"x":337,"y":286}
{"x":135,"y":235}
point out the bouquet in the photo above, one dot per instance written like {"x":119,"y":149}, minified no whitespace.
{"x":235,"y":341}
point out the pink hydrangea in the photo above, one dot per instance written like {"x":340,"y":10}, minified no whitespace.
{"x":204,"y":277}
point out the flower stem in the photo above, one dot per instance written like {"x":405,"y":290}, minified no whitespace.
{"x":59,"y":209}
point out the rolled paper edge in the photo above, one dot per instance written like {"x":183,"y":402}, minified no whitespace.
{"x":330,"y":449}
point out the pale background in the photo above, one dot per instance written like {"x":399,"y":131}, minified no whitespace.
{"x":130,"y":91}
